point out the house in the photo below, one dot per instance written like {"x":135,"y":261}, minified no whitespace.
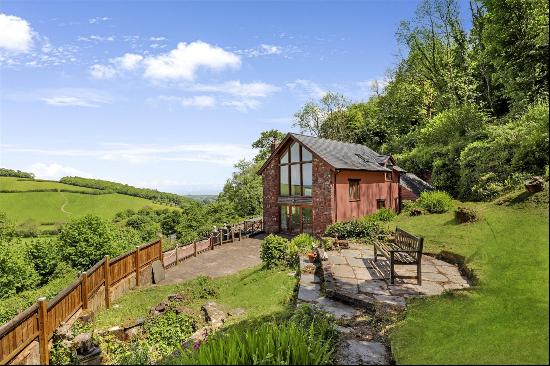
{"x":411,"y":186}
{"x":310,"y":183}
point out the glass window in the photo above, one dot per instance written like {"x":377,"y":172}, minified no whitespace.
{"x":294,"y":153}
{"x":296,"y":188}
{"x":284,"y":181}
{"x":284,"y":218}
{"x":354,"y":191}
{"x":306,"y":155}
{"x":307,"y":178}
{"x":380,"y":203}
{"x":295,"y":226}
{"x":307,"y":219}
{"x":389,"y":176}
{"x":284,"y":158}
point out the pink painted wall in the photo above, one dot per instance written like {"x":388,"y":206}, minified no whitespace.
{"x":373,"y":186}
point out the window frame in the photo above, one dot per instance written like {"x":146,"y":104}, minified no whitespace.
{"x":390,"y":175}
{"x":380,"y":203}
{"x":289,"y":163}
{"x":356,"y":182}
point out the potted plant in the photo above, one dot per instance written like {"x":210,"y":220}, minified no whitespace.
{"x":312,"y":256}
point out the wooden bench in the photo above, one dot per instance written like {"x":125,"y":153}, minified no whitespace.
{"x":404,"y":249}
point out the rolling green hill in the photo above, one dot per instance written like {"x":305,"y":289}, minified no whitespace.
{"x":49,"y":206}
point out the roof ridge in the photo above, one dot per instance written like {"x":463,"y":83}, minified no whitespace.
{"x":340,"y":142}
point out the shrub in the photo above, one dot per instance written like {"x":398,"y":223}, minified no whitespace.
{"x":363,"y":228}
{"x":273,"y":251}
{"x":306,"y":339}
{"x":304,"y":243}
{"x":45,"y":258}
{"x":383,"y":214}
{"x":165,"y":333}
{"x":464,"y":214}
{"x":203,"y":288}
{"x":16,"y":273}
{"x":435,"y":201}
{"x":7,"y":227}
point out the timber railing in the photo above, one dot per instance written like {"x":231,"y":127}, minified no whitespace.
{"x":39,"y":321}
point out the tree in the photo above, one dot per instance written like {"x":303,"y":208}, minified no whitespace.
{"x":16,"y":273}
{"x":7,"y":227}
{"x":313,"y":116}
{"x":244,"y":189}
{"x":264,"y":143}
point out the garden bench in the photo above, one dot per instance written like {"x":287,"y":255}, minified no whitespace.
{"x":404,"y":249}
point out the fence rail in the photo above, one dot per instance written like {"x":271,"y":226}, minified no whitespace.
{"x":39,"y":321}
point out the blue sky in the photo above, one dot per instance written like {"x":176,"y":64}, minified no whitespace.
{"x":169,"y":95}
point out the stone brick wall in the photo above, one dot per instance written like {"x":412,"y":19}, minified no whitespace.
{"x":271,"y":193}
{"x":323,"y":195}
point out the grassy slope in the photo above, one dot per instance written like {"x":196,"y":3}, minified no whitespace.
{"x":260,"y":292}
{"x":19,"y":184}
{"x":504,"y":320}
{"x":46,"y":206}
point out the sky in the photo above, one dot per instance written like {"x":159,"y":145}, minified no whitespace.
{"x":170,"y":95}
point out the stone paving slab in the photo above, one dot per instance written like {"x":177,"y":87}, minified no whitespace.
{"x":355,"y":274}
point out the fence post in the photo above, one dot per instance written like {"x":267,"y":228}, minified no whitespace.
{"x":84,"y":293}
{"x":43,"y":331}
{"x":138,"y":265}
{"x":233,"y":233}
{"x":161,"y":255}
{"x":240,"y":234}
{"x":194,"y":248}
{"x":177,"y":253}
{"x":107,"y":283}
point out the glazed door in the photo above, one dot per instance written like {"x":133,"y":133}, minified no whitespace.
{"x":296,"y":219}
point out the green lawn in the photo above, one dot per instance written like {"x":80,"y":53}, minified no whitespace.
{"x":21,"y":184}
{"x":260,"y":292}
{"x":505,"y":319}
{"x":46,"y":207}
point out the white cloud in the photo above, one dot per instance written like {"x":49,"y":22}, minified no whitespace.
{"x":15,"y":34}
{"x":54,"y":171}
{"x":199,"y":101}
{"x":242,"y":105}
{"x":183,"y":62}
{"x":262,"y":50}
{"x":102,"y":71}
{"x":235,"y":87}
{"x":129,"y":61}
{"x":221,"y":154}
{"x":270,"y":49}
{"x":307,"y":88}
{"x":98,"y":20}
{"x":74,"y":97}
{"x":157,"y":38}
{"x":96,"y":38}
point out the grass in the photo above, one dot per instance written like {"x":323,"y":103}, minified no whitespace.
{"x":260,"y":292}
{"x":46,"y":207}
{"x":21,"y":184}
{"x":505,"y":319}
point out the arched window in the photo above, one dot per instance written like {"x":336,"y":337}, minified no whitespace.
{"x":296,"y":171}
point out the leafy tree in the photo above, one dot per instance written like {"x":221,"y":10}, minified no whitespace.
{"x":264,"y":142}
{"x":44,"y":254}
{"x":313,"y":116}
{"x":244,"y":189}
{"x":16,"y":273}
{"x":7,"y":227}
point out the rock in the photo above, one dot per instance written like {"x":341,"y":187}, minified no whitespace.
{"x":158,"y":271}
{"x":236,"y":312}
{"x":464,"y":215}
{"x":309,"y":293}
{"x":83,"y":343}
{"x":339,"y":310}
{"x":86,"y":317}
{"x":213,"y":314}
{"x":535,"y":184}
{"x":64,"y":332}
{"x":132,"y":333}
{"x":133,"y":323}
{"x":345,"y":330}
{"x":183,"y":310}
{"x":363,"y":353}
{"x":117,"y":332}
{"x":161,"y":308}
{"x":176,"y":297}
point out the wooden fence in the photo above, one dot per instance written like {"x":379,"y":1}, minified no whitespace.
{"x":39,"y":321}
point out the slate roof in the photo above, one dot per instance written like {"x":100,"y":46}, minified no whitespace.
{"x":344,"y":155}
{"x":415,"y":184}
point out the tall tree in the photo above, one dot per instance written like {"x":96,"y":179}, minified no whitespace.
{"x":264,"y":143}
{"x":314,"y":115}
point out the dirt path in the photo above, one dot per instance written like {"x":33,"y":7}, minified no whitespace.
{"x":65,"y":204}
{"x":222,"y":261}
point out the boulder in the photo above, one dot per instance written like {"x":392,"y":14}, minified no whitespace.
{"x":83,"y":344}
{"x":64,"y":332}
{"x":117,"y":332}
{"x":464,"y":215}
{"x":132,"y":333}
{"x":158,"y":271}
{"x":535,"y":184}
{"x":213,"y":314}
{"x":86,"y":317}
{"x":176,"y":297}
{"x":236,"y":312}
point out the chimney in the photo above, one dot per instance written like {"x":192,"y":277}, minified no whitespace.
{"x":274,"y":143}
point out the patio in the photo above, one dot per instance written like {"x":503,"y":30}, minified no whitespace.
{"x":353,"y":276}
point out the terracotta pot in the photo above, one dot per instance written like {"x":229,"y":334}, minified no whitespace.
{"x":312,"y":256}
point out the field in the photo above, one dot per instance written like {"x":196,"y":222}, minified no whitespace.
{"x":505,"y":319}
{"x":47,"y":208}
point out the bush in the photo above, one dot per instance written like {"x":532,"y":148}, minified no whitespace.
{"x":45,"y":258}
{"x":7,"y":227}
{"x":435,"y":201}
{"x":383,"y":214}
{"x":165,"y":333}
{"x":363,"y":228}
{"x":308,"y":338}
{"x":304,"y":243}
{"x":274,"y":251}
{"x":203,"y":288}
{"x":16,"y":273}
{"x":464,"y":214}
{"x":27,"y":229}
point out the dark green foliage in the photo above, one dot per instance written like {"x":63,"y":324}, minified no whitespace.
{"x":15,"y":173}
{"x":435,"y":201}
{"x":16,"y":272}
{"x":45,"y":257}
{"x":7,"y":227}
{"x":465,"y":214}
{"x":166,"y":332}
{"x":203,"y":288}
{"x":363,"y":228}
{"x":303,"y":242}
{"x":263,"y":143}
{"x":151,"y":194}
{"x":244,"y":189}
